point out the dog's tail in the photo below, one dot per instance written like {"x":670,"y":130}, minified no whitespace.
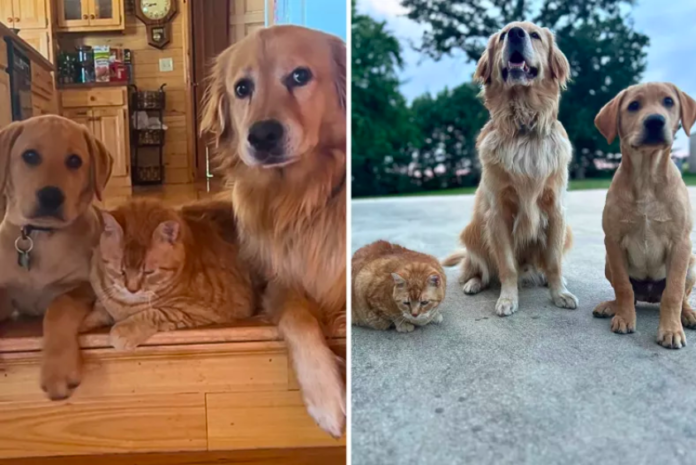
{"x":454,"y":258}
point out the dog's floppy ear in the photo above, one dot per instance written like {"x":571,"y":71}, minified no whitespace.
{"x":687,"y":110}
{"x":484,"y":67}
{"x":607,"y":120}
{"x":558,"y":63}
{"x":8,"y":136}
{"x":100,"y":165}
{"x":215,"y":117}
{"x":338,"y":50}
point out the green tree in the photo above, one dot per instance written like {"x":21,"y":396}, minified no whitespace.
{"x":381,"y":125}
{"x":448,"y":124}
{"x":605,"y":53}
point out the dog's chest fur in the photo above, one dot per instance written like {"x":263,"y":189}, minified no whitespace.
{"x":59,"y":263}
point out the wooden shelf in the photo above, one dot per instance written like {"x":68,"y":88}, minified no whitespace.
{"x":199,"y":390}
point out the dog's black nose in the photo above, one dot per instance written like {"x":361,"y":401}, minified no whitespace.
{"x":654,"y":123}
{"x":266,"y":135}
{"x":50,"y":198}
{"x":516,"y":35}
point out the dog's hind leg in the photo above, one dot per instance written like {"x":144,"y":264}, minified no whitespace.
{"x":688,"y":315}
{"x":475,"y":275}
{"x":317,"y":369}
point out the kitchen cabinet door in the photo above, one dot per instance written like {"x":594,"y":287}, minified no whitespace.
{"x":30,"y":14}
{"x":40,"y":40}
{"x":5,"y":103}
{"x":82,"y":116}
{"x":110,"y":128}
{"x":72,"y":14}
{"x":105,"y":13}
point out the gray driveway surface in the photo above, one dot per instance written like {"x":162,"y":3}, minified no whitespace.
{"x":544,"y":386}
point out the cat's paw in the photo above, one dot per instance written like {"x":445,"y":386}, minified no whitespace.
{"x":325,"y":393}
{"x":61,"y":372}
{"x":564,"y":299}
{"x":121,"y":338}
{"x":438,"y":319}
{"x":404,"y":327}
{"x":472,"y":286}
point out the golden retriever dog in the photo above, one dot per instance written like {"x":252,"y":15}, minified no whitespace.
{"x":518,"y":231}
{"x":276,"y":110}
{"x":50,"y":171}
{"x":647,"y":218}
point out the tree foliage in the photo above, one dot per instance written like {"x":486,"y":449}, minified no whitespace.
{"x":605,"y":53}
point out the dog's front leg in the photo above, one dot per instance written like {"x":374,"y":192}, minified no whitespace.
{"x":553,"y":256}
{"x":624,"y":320}
{"x":61,"y":370}
{"x":316,"y":366}
{"x":670,"y":332}
{"x":499,"y":238}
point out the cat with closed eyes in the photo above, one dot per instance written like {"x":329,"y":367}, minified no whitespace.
{"x":396,"y":287}
{"x":158,"y":269}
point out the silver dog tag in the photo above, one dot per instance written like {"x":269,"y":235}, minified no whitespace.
{"x":24,"y":260}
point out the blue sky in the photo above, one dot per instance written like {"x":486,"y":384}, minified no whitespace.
{"x":671,"y":55}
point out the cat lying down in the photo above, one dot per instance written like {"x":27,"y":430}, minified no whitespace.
{"x":395,"y":286}
{"x":160,"y":269}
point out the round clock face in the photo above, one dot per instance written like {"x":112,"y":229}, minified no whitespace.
{"x":155,"y":9}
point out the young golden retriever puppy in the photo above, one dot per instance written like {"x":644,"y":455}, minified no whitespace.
{"x":51,"y":169}
{"x":518,"y":223}
{"x":647,"y":218}
{"x":276,"y":109}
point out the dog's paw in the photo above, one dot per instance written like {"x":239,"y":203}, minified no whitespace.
{"x":325,"y":395}
{"x":622,"y":325}
{"x":605,"y":309}
{"x":472,"y":286}
{"x":61,"y":373}
{"x":564,"y":299}
{"x":671,"y":338}
{"x":438,"y":319}
{"x":121,"y":338}
{"x":404,"y":327}
{"x":505,"y":306}
{"x":688,"y":318}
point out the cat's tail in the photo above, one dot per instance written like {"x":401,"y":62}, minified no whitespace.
{"x":454,"y":258}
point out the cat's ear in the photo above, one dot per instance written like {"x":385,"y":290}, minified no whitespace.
{"x":398,"y":280}
{"x":167,"y":232}
{"x":111,"y":237}
{"x":434,"y":280}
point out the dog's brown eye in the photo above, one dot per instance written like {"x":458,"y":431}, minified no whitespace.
{"x":669,"y":103}
{"x":31,"y":158}
{"x":535,"y":35}
{"x":634,"y":106}
{"x":301,"y":76}
{"x":73,"y":162}
{"x":244,"y":88}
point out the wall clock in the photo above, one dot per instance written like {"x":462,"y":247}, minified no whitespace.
{"x":157,"y":16}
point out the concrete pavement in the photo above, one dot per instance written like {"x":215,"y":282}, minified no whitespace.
{"x":544,"y":386}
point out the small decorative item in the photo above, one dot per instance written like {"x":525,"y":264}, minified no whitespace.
{"x":157,"y":16}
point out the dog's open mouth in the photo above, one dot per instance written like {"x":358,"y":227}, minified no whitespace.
{"x":518,"y":69}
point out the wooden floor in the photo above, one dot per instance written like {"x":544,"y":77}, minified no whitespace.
{"x":171,"y":194}
{"x":307,"y":456}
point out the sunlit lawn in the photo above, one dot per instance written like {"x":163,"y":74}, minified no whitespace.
{"x":574,"y":185}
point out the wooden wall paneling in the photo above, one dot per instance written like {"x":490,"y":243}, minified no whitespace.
{"x":124,"y":424}
{"x":245,"y":17}
{"x":262,"y":420}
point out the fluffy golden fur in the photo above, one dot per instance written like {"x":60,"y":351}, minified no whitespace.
{"x":395,"y":286}
{"x":518,"y":230}
{"x":51,"y":169}
{"x":647,"y":218}
{"x":290,"y":199}
{"x":160,"y":269}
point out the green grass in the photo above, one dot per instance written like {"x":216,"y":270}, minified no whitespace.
{"x":573,"y":185}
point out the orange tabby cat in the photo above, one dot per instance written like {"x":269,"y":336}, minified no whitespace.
{"x":159,"y":269}
{"x":395,"y":286}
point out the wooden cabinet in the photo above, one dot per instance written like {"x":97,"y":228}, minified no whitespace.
{"x":90,"y":15}
{"x":40,"y":40}
{"x":104,"y":112}
{"x":5,"y":103}
{"x":25,"y":14}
